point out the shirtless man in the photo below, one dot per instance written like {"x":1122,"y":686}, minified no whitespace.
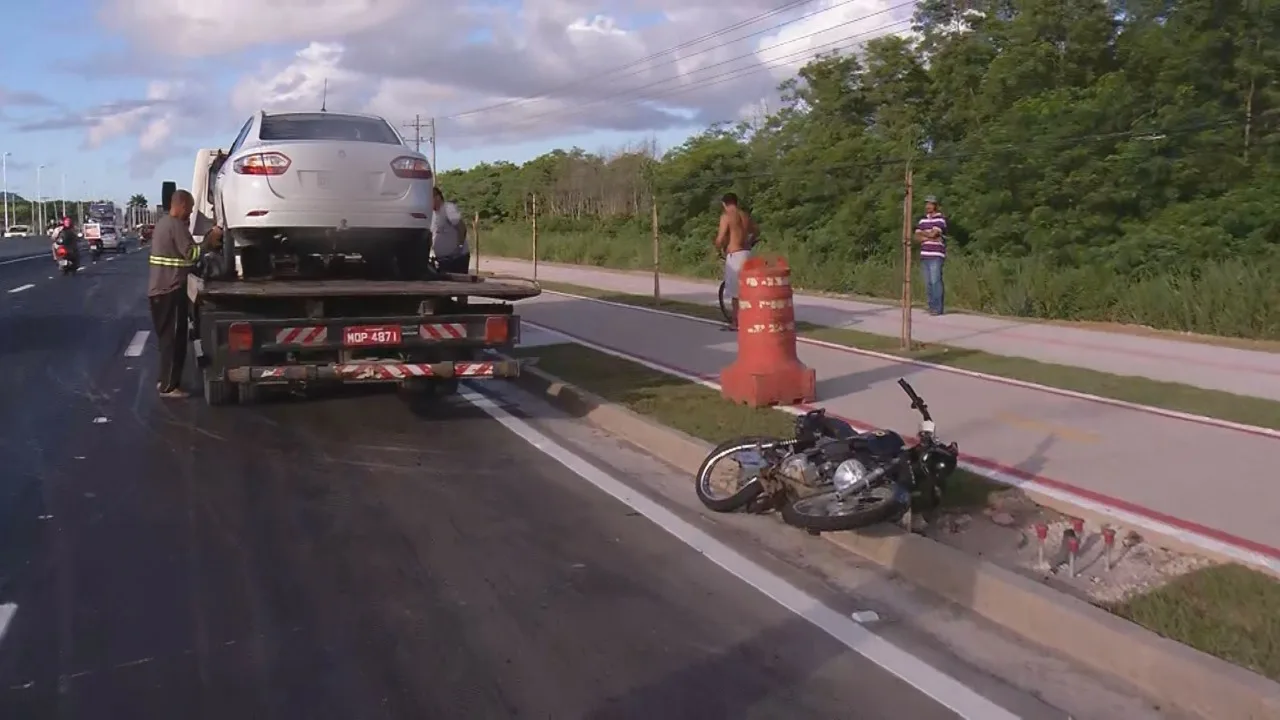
{"x":736,"y":236}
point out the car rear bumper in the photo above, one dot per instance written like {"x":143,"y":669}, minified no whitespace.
{"x":328,"y":218}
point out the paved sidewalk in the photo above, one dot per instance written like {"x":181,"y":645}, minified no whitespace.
{"x":1202,"y":479}
{"x":1243,"y":372}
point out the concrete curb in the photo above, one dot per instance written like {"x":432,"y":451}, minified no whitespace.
{"x":1175,"y":674}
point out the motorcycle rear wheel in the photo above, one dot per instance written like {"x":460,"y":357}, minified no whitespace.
{"x":749,"y":487}
{"x":824,"y":512}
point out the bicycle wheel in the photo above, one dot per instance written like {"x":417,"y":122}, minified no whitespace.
{"x":726,"y":304}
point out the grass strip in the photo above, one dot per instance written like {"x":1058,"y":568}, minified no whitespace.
{"x":1228,"y":611}
{"x":1140,"y":390}
{"x":694,"y":409}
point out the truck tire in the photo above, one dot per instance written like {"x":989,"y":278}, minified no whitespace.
{"x":431,"y":387}
{"x":216,"y":391}
{"x":248,"y":393}
{"x":413,"y":258}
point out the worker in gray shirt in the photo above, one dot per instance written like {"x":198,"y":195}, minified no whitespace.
{"x":449,"y":235}
{"x":174,"y":254}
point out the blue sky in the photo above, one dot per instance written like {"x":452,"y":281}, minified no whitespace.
{"x":30,"y":68}
{"x":110,"y":132}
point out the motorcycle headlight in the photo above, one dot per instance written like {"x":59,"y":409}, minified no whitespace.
{"x":850,"y":476}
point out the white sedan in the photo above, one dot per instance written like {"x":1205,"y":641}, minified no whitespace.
{"x":324,"y":183}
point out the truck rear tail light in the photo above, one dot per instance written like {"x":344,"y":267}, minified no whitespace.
{"x":240,"y":337}
{"x":495,"y":330}
{"x":411,"y":168}
{"x":269,"y":163}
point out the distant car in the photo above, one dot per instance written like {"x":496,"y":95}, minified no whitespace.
{"x":111,"y":239}
{"x":17,"y":231}
{"x":323,"y":183}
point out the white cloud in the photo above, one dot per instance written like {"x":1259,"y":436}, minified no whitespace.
{"x":200,"y":28}
{"x":472,"y":64}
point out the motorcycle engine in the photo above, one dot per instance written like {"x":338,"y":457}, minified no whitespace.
{"x":799,"y":468}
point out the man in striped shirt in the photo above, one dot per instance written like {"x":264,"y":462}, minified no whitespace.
{"x":931,"y":234}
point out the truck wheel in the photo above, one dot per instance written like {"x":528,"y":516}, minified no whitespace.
{"x":431,"y":388}
{"x":413,"y":258}
{"x":216,"y":391}
{"x":247,"y":393}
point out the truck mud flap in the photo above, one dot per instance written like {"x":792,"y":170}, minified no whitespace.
{"x":374,"y":372}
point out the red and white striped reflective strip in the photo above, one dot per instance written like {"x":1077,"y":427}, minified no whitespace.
{"x":473,"y":369}
{"x":444,"y":331}
{"x":302,"y":335}
{"x":399,"y":371}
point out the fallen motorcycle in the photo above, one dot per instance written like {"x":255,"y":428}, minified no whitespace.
{"x":830,"y":477}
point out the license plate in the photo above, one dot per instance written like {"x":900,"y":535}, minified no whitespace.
{"x":63,"y":263}
{"x":376,"y":335}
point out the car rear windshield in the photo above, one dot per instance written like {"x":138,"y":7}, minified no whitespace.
{"x":325,"y":126}
{"x":108,"y":230}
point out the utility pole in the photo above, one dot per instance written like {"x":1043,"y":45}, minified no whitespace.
{"x":418,"y":126}
{"x":4,"y":168}
{"x":432,"y":123}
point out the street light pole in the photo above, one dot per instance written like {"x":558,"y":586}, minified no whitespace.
{"x":39,"y":199}
{"x":4,"y":169}
{"x":64,"y":194}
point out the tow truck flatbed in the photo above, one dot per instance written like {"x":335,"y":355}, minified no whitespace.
{"x":510,"y":289}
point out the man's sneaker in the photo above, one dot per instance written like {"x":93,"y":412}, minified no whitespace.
{"x":178,"y":393}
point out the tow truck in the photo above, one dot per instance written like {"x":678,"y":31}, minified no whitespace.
{"x":321,"y":320}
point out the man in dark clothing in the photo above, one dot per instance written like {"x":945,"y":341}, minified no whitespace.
{"x":174,"y":253}
{"x":67,"y":237}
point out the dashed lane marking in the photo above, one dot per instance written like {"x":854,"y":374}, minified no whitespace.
{"x":20,"y":288}
{"x":135,"y":346}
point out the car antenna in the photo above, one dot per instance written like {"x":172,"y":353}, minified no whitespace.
{"x":324,"y":99}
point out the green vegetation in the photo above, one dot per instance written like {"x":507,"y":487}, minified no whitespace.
{"x":1226,"y":610}
{"x":1144,"y":391}
{"x":20,"y":209}
{"x":694,"y":409}
{"x":1098,"y":161}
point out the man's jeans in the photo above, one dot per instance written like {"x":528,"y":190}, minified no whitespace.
{"x":933,"y":291}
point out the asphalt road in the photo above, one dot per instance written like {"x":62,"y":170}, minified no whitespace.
{"x":358,"y":556}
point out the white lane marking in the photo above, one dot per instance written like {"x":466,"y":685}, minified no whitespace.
{"x":7,"y":611}
{"x":136,"y":345}
{"x":20,"y":288}
{"x":21,"y":259}
{"x":943,"y":689}
{"x":1129,"y":518}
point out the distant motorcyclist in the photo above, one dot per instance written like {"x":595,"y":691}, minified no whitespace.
{"x":67,"y":237}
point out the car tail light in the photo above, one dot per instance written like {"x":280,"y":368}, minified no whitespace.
{"x":240,"y":337}
{"x":495,"y":330}
{"x":271,"y":163}
{"x":411,"y":168}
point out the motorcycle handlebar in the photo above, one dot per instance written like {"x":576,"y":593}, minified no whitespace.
{"x":917,"y":402}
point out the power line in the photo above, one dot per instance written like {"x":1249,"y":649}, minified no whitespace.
{"x":687,"y":43}
{"x":643,"y":60}
{"x":733,"y":74}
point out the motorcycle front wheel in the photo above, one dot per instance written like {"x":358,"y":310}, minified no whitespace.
{"x":826,"y":512}
{"x":728,"y":478}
